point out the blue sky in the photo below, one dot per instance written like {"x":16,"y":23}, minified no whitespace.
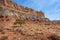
{"x":51,"y":8}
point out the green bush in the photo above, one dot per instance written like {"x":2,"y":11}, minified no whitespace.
{"x":19,"y":21}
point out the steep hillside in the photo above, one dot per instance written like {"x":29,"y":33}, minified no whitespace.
{"x":30,"y":31}
{"x":20,"y":23}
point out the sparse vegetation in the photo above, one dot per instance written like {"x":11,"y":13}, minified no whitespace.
{"x":15,"y":26}
{"x":37,"y":27}
{"x":19,"y":21}
{"x":53,"y":37}
{"x":1,"y":30}
{"x":4,"y":38}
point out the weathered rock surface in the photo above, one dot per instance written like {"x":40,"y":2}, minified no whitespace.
{"x":36,"y":26}
{"x":31,"y":31}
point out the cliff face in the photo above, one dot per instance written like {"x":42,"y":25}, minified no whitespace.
{"x":36,"y":26}
{"x":11,"y":9}
{"x":9,"y":5}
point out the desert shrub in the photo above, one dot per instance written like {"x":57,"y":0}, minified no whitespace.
{"x":1,"y":16}
{"x":15,"y":23}
{"x":15,"y":26}
{"x":47,"y":24}
{"x":4,"y":38}
{"x":1,"y":30}
{"x":53,"y":37}
{"x":19,"y":21}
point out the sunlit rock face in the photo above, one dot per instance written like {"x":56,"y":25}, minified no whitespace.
{"x":33,"y":17}
{"x":20,"y":9}
{"x":40,"y":14}
{"x":6,"y":17}
{"x":7,"y":12}
{"x":36,"y":27}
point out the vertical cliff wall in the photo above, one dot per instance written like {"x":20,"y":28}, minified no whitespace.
{"x":11,"y":6}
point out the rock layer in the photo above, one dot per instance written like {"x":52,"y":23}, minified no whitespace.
{"x":36,"y":27}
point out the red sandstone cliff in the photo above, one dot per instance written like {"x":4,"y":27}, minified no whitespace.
{"x":36,"y":26}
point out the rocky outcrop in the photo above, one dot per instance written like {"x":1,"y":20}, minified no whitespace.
{"x":30,"y":31}
{"x":11,"y":6}
{"x":36,"y":26}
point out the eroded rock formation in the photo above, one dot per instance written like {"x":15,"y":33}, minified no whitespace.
{"x":36,"y":27}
